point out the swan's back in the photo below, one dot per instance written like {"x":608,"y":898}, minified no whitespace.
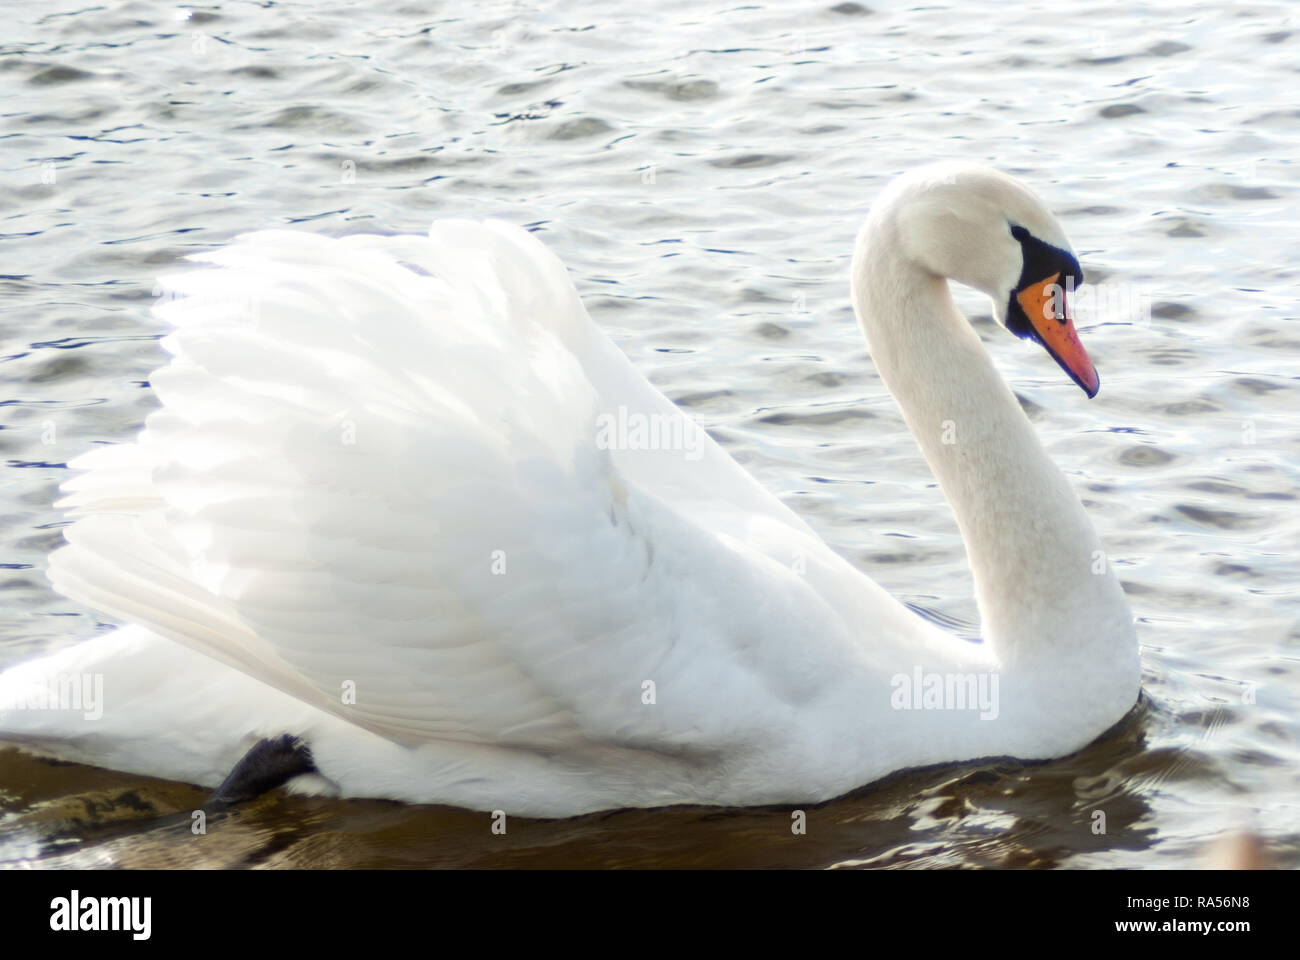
{"x":377,"y":484}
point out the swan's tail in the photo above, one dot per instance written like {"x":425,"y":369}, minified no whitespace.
{"x":130,"y":700}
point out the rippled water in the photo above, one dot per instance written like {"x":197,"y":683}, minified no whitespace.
{"x":703,"y":170}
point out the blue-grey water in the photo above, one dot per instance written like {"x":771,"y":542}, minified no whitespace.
{"x":703,"y":169}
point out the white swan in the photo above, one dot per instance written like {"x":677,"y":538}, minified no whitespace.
{"x":388,"y":507}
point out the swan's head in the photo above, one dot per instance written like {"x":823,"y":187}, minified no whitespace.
{"x":988,"y":231}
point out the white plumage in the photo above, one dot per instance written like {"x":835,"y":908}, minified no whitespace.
{"x":377,"y":510}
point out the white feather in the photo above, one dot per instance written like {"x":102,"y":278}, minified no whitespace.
{"x":374,"y":511}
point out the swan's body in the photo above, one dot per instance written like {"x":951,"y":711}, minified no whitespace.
{"x":376,"y":512}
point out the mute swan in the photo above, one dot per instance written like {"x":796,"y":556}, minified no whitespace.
{"x":387,"y":508}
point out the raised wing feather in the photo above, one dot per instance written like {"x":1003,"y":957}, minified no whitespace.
{"x":375,"y":477}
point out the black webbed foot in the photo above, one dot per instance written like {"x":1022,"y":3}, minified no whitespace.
{"x":270,"y":763}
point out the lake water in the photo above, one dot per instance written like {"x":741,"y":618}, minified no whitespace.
{"x":703,"y":169}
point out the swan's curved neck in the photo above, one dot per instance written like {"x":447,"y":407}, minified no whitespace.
{"x":1043,"y":586}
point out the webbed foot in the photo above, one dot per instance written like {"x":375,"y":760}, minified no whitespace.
{"x":271,"y":763}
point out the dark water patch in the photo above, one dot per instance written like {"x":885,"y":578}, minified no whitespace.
{"x":1144,"y":455}
{"x":1219,"y":519}
{"x":1116,"y":110}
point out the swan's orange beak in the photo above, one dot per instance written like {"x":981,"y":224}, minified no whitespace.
{"x":1045,"y":305}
